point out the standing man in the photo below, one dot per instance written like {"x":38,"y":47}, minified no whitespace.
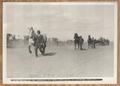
{"x":94,"y":42}
{"x":89,"y":41}
{"x":81,"y":41}
{"x":76,"y":40}
{"x":39,"y":43}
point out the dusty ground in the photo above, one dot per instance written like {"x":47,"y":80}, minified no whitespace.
{"x":60,"y":62}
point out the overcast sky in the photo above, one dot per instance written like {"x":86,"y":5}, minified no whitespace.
{"x":60,"y":21}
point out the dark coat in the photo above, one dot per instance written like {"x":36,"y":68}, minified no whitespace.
{"x":39,"y":40}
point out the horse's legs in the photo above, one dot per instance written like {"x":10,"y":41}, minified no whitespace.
{"x":88,"y":45}
{"x":29,"y":47}
{"x":78,"y":45}
{"x":44,"y":47}
{"x":93,"y":45}
{"x":81,"y":47}
{"x":43,"y":50}
{"x":75,"y":46}
{"x":45,"y":44}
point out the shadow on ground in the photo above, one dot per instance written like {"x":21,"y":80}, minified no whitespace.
{"x":50,"y":54}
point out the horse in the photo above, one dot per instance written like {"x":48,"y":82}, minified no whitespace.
{"x":103,"y":42}
{"x":92,"y":42}
{"x":31,"y":39}
{"x":78,"y":41}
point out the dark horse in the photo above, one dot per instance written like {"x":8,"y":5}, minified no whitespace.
{"x":78,"y":41}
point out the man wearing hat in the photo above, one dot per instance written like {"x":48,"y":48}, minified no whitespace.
{"x":39,"y":43}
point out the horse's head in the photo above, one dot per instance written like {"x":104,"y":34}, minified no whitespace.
{"x":32,"y":33}
{"x":30,"y":29}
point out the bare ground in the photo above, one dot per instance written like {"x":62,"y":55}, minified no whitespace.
{"x":61,"y":62}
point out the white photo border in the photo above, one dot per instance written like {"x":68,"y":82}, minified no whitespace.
{"x":105,"y":80}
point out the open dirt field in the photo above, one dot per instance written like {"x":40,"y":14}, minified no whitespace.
{"x":60,"y":61}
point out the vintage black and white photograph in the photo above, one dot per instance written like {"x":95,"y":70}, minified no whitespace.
{"x":60,"y":42}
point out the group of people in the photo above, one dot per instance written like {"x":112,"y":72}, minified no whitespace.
{"x":37,"y":40}
{"x":79,"y":41}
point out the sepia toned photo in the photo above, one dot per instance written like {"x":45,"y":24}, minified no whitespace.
{"x":60,"y":43}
